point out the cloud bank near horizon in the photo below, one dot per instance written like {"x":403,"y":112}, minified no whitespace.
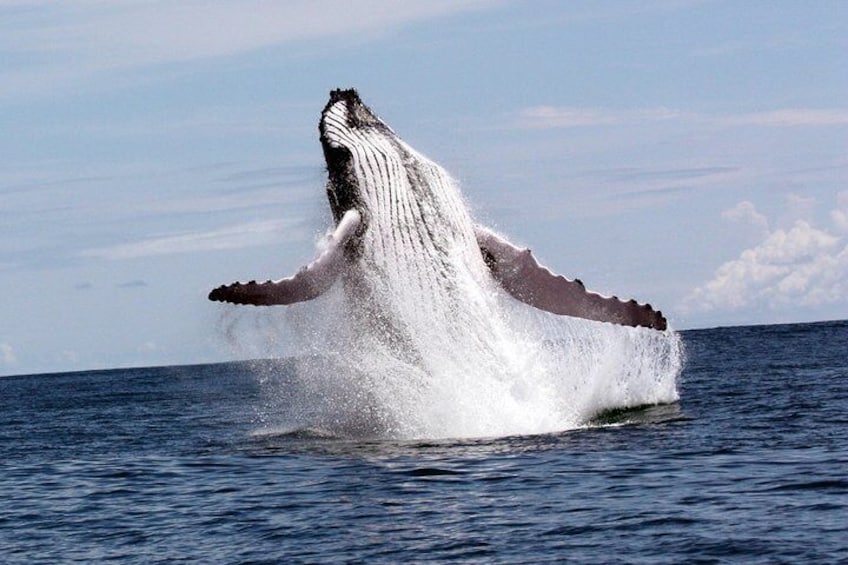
{"x":802,"y":266}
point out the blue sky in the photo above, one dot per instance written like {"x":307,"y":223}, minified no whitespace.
{"x":692,"y":154}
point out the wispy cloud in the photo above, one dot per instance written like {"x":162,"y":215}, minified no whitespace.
{"x":839,"y":215}
{"x":635,"y":183}
{"x":271,"y":194}
{"x":753,"y":45}
{"x":137,"y":283}
{"x":544,"y":117}
{"x":789,"y":117}
{"x":54,"y":42}
{"x":799,"y":266}
{"x":250,"y":234}
{"x":551,"y":117}
{"x":746,"y":212}
{"x":145,"y":32}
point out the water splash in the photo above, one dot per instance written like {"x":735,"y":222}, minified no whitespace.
{"x":483,"y":366}
{"x":418,"y":341}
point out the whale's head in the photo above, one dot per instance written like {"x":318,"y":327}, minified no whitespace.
{"x":358,"y":149}
{"x":390,"y":184}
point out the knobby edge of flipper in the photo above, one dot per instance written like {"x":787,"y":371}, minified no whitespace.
{"x":309,"y":282}
{"x":519,"y":274}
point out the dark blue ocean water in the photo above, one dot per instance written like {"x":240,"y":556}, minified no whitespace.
{"x":171,"y":464}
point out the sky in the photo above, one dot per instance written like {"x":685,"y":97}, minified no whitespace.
{"x":691,"y":154}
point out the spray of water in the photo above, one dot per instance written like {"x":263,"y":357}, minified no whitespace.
{"x":418,"y":341}
{"x":467,"y":362}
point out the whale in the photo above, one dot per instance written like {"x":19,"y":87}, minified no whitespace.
{"x":404,"y":243}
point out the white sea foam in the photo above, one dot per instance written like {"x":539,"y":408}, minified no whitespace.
{"x":476,"y":364}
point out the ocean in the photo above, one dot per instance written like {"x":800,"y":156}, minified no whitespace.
{"x":189,"y":464}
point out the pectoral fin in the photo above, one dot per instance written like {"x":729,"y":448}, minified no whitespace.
{"x":309,"y":282}
{"x":524,"y":278}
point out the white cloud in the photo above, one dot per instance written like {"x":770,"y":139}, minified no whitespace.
{"x":7,"y":354}
{"x":840,"y":214}
{"x":251,"y":234}
{"x":67,"y":41}
{"x":799,"y":267}
{"x":745,"y":212}
{"x":802,"y":207}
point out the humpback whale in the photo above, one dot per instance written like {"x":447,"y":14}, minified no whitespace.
{"x":404,"y":241}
